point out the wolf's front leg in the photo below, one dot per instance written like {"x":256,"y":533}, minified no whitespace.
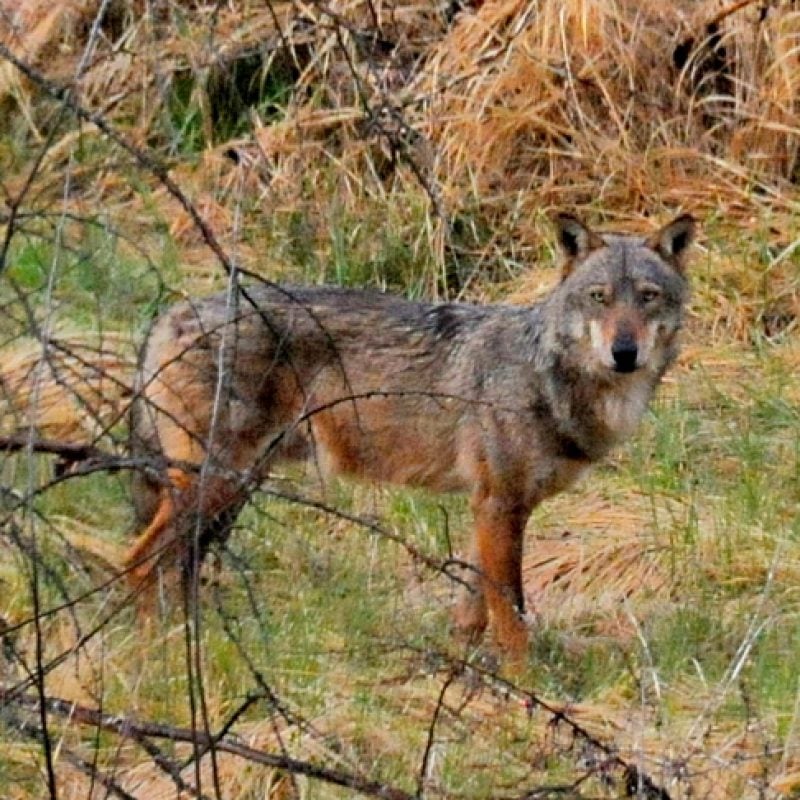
{"x":497,"y":592}
{"x":470,"y":615}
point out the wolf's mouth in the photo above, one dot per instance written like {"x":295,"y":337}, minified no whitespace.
{"x":625,"y":359}
{"x":625,"y":368}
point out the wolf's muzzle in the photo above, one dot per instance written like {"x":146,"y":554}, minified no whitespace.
{"x":624,"y":351}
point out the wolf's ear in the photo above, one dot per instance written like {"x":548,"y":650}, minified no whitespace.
{"x":575,"y":240}
{"x":673,"y":240}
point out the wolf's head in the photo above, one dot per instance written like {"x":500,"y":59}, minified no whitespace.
{"x":621,"y":299}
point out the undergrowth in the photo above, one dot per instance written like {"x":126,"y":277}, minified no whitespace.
{"x":417,"y":150}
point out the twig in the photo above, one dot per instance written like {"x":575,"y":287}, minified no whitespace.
{"x":167,"y":765}
{"x":426,"y":755}
{"x":374,"y":116}
{"x":145,"y":159}
{"x":131,"y":728}
{"x":632,"y":774}
{"x":159,"y":759}
{"x":728,"y":11}
{"x":71,"y":452}
{"x":274,"y":703}
{"x":96,"y":774}
{"x":35,"y":733}
{"x":711,"y":27}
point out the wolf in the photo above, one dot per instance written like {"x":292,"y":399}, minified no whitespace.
{"x":509,"y":404}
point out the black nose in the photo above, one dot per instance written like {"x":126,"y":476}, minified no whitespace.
{"x":624,"y":352}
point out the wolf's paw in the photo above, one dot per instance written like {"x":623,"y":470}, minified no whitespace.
{"x":470,"y":618}
{"x":511,"y":635}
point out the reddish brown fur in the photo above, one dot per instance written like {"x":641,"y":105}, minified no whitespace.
{"x":620,"y":321}
{"x":508,"y":404}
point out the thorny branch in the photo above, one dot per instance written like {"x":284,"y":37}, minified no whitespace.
{"x":33,"y":732}
{"x":85,"y":459}
{"x":70,"y":453}
{"x":531,"y":701}
{"x":429,"y":744}
{"x":383,"y":119}
{"x":142,"y":157}
{"x":131,"y":728}
{"x":636,"y":782}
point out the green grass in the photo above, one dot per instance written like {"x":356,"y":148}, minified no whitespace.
{"x":90,"y":275}
{"x":205,"y":108}
{"x":359,"y":249}
{"x":332,"y":620}
{"x":354,"y":635}
{"x":335,"y":620}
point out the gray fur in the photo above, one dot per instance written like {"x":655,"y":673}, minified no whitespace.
{"x":507,"y":403}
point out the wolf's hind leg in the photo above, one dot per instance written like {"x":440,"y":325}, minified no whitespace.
{"x":153,"y":543}
{"x":193,"y":513}
{"x":197,"y":507}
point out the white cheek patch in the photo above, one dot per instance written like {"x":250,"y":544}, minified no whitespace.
{"x":649,"y":342}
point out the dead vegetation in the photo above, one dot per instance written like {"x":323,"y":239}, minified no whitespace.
{"x":419,"y":147}
{"x":503,"y":111}
{"x":463,"y":126}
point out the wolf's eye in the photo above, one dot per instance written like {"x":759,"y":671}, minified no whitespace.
{"x":597,"y":295}
{"x":649,"y":295}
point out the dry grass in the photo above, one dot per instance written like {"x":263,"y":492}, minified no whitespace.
{"x":512,"y":109}
{"x":386,"y":143}
{"x":75,"y":393}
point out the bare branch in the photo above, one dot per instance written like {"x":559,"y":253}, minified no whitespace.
{"x":131,"y":728}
